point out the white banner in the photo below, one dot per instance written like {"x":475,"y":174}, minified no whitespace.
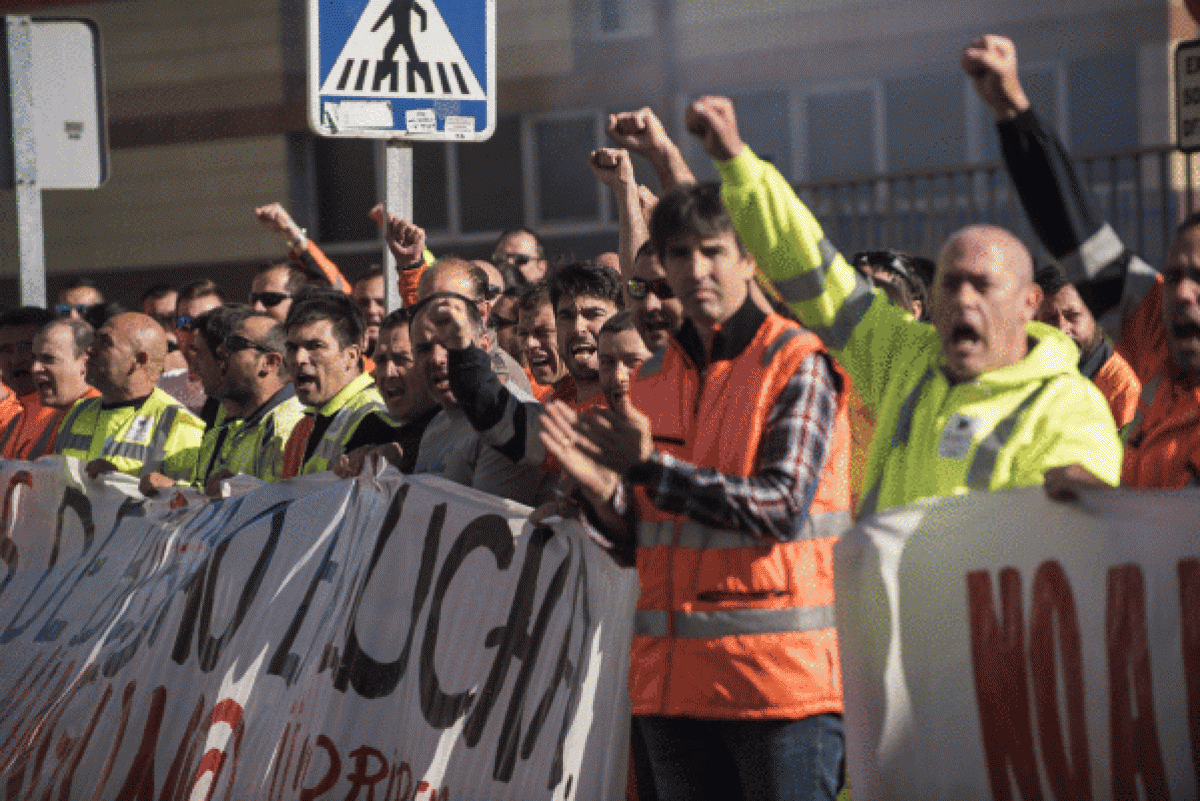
{"x":1006,"y":646}
{"x":373,"y":639}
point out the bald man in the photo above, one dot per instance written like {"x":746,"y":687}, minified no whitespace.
{"x":456,"y":275}
{"x":134,"y":427}
{"x":984,"y":399}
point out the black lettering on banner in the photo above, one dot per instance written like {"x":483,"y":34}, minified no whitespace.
{"x":356,"y":668}
{"x":441,"y":709}
{"x":199,"y":590}
{"x":283,"y":662}
{"x":573,"y":674}
{"x":8,"y":548}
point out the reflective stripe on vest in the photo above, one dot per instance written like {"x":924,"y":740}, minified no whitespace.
{"x":810,"y":284}
{"x":698,"y":536}
{"x":45,"y":441}
{"x":345,"y":421}
{"x":11,"y":430}
{"x":157,"y":449}
{"x":733,"y":622}
{"x":67,"y":439}
{"x":983,"y":464}
{"x":1145,"y":401}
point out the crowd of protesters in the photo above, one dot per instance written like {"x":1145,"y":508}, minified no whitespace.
{"x":716,"y":400}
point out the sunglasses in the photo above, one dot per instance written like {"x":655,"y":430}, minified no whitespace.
{"x":64,"y":309}
{"x":236,"y":342}
{"x":519,"y":259}
{"x":268,"y":299}
{"x":639,"y":288}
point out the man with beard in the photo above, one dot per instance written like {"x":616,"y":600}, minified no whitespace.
{"x":1153,"y":319}
{"x":622,"y":354}
{"x":451,"y":446}
{"x":1098,"y":360}
{"x":262,"y":404}
{"x":133,"y":428}
{"x":584,"y":296}
{"x":324,"y":358}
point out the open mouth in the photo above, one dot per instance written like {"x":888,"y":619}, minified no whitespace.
{"x":306,"y":381}
{"x":583,"y":350}
{"x":1186,"y":330}
{"x":393,"y":392}
{"x":964,"y":334}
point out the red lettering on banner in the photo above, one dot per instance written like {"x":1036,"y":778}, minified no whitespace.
{"x":331,"y":776}
{"x":1135,"y":746}
{"x":1189,"y":612}
{"x":1070,"y":779}
{"x":359,"y":778}
{"x":110,"y":763}
{"x":83,"y":743}
{"x":226,"y":711}
{"x":409,"y":789}
{"x":181,"y":766}
{"x":139,"y":783}
{"x":1001,"y":687}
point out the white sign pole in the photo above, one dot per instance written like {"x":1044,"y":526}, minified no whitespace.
{"x":399,"y":201}
{"x":30,"y":238}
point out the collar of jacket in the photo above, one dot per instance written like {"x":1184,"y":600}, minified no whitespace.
{"x":733,"y":337}
{"x":362,"y":382}
{"x":137,"y":402}
{"x":286,"y":392}
{"x":1052,"y":353}
{"x":1090,"y":363}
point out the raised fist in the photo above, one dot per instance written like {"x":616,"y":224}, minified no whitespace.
{"x":712,"y":121}
{"x":991,"y":63}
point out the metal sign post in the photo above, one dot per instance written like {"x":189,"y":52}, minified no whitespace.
{"x":396,"y":70}
{"x":31,"y":248}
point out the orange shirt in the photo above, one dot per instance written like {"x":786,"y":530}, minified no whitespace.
{"x":36,"y":420}
{"x":540,"y":391}
{"x":1120,"y":386}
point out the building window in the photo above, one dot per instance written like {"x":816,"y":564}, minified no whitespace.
{"x":490,"y":182}
{"x":1103,"y":103}
{"x":926,"y":121}
{"x":566,"y":191}
{"x":841,"y":134}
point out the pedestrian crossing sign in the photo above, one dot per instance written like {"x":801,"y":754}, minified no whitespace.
{"x":402,"y":69}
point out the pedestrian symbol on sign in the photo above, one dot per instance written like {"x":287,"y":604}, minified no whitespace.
{"x":433,"y":66}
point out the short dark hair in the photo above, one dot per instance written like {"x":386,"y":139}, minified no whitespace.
{"x":336,"y":307}
{"x":690,"y":209}
{"x":396,"y":318}
{"x":155,"y":292}
{"x":587,"y":279}
{"x":541,"y":251}
{"x":535,"y":295}
{"x":1051,"y":279}
{"x":200,"y":288}
{"x":82,"y":334}
{"x":912,"y":271}
{"x":621,"y":321}
{"x":98,"y":314}
{"x":644,"y":249}
{"x":215,"y":325}
{"x":373,"y":271}
{"x":22,"y":316}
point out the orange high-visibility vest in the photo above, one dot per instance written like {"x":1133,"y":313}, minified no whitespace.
{"x":730,"y":625}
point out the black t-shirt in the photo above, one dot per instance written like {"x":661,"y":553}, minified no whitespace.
{"x":377,"y":428}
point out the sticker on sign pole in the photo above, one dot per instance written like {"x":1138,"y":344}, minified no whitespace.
{"x":432,"y":71}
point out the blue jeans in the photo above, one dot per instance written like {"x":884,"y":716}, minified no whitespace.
{"x":799,"y":760}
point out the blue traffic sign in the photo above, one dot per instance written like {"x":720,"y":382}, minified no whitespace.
{"x":402,"y":69}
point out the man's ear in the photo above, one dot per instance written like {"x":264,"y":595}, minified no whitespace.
{"x":1033,"y":301}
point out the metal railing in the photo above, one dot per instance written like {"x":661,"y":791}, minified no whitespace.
{"x":1142,"y":193}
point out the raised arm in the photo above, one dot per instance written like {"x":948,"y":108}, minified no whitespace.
{"x":612,"y":167}
{"x":642,"y":132}
{"x":275,"y":218}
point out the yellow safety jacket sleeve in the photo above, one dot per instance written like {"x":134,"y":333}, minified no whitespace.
{"x":1001,"y":431}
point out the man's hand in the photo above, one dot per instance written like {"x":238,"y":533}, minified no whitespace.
{"x":612,"y":167}
{"x":212,"y":487}
{"x":991,"y":63}
{"x":597,"y":483}
{"x":404,"y":239}
{"x":452,"y":327}
{"x":640,"y":131}
{"x":1065,"y":483}
{"x":712,"y":121}
{"x":97,"y":467}
{"x":351,"y":464}
{"x":275,"y":218}
{"x":616,"y":438}
{"x":153,"y":483}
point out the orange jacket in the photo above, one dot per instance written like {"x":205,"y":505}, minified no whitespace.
{"x":31,"y":433}
{"x":1163,"y":448}
{"x":1120,"y":386}
{"x":731,"y":625}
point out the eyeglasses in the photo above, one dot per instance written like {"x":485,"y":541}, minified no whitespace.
{"x":268,"y":299}
{"x":639,"y":288}
{"x":518,"y":259}
{"x":185,"y":323}
{"x":236,"y":342}
{"x":64,"y":309}
{"x":496,"y":322}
